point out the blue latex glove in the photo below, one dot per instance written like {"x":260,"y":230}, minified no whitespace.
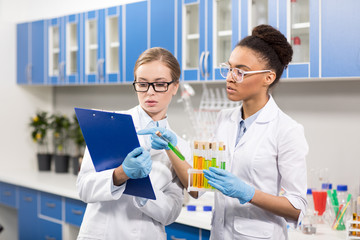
{"x":229,"y":184}
{"x":156,"y":141}
{"x":137,"y":163}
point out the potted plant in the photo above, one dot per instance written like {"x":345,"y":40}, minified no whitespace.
{"x":40,"y":126}
{"x":60,"y":124}
{"x":79,"y":142}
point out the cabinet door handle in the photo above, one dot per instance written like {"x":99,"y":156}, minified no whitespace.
{"x":28,"y":73}
{"x":76,"y":212}
{"x":175,"y":238}
{"x":201,"y":61}
{"x":206,"y":63}
{"x":100,"y":69}
{"x":51,"y":205}
{"x":49,"y":238}
{"x":7,"y":193}
{"x":62,"y":71}
{"x":28,"y":199}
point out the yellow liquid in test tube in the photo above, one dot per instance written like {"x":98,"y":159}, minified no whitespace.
{"x":195,"y":163}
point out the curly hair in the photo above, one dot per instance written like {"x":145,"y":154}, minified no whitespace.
{"x":272,"y":47}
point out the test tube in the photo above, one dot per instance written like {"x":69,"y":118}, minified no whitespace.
{"x":195,"y":161}
{"x":213,"y":154}
{"x":222,"y":159}
{"x":207,"y":161}
{"x":201,"y":162}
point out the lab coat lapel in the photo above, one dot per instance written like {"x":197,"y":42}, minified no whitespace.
{"x":268,"y":113}
{"x":233,"y":133}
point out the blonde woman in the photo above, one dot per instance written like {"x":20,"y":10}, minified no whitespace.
{"x":110,"y":214}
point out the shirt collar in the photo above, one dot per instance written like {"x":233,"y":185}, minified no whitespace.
{"x":147,"y":122}
{"x":248,"y":121}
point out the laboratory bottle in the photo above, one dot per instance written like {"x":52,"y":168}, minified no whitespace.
{"x":342,"y":196}
{"x":326,"y":186}
{"x":297,"y":55}
{"x":310,"y":200}
{"x":309,"y":221}
{"x":329,"y":215}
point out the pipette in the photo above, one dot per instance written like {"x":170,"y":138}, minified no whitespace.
{"x":172,"y":147}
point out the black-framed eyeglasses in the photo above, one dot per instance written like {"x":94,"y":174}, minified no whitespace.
{"x":157,"y":86}
{"x":236,"y":73}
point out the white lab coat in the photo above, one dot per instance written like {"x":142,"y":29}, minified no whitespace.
{"x":113,"y":215}
{"x":270,"y":156}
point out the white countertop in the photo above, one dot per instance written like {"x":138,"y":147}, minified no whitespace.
{"x":323,"y":232}
{"x":63,"y":184}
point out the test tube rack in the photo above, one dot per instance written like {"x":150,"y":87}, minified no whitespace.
{"x":353,"y":230}
{"x":205,"y":155}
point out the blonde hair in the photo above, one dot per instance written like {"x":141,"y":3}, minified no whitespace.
{"x":162,"y":55}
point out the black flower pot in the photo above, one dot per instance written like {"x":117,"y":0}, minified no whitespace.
{"x":75,"y":165}
{"x":44,"y":161}
{"x":61,"y":163}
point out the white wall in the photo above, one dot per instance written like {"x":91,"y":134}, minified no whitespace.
{"x":18,"y":103}
{"x":329,"y":111}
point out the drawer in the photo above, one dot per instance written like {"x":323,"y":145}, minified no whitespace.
{"x":51,"y":205}
{"x":49,"y":230}
{"x":74,"y":211}
{"x":8,"y":194}
{"x":27,"y":198}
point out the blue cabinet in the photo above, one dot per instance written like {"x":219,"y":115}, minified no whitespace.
{"x":49,"y":230}
{"x":113,"y":44}
{"x":94,"y":43}
{"x":73,"y":49}
{"x":74,"y":211}
{"x":209,"y":30}
{"x":56,"y":50}
{"x":51,"y":205}
{"x":180,"y":231}
{"x":27,"y":214}
{"x":163,"y":25}
{"x":8,"y":195}
{"x":31,"y":52}
{"x":304,"y":31}
{"x":136,"y":35}
{"x":340,"y":53}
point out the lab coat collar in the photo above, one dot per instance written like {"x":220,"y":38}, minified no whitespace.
{"x":147,"y":122}
{"x":269,"y":112}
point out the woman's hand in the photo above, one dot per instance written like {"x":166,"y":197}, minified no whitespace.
{"x":137,"y":163}
{"x":156,"y":141}
{"x":229,"y":184}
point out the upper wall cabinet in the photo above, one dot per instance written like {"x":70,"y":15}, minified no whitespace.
{"x":94,"y":46}
{"x":163,"y":27}
{"x":31,"y":52}
{"x":340,"y":41}
{"x":64,"y":50}
{"x":301,"y":27}
{"x":136,"y":35}
{"x":102,"y":46}
{"x":209,"y":31}
{"x":113,"y":44}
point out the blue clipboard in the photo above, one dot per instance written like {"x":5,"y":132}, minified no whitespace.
{"x":110,"y":137}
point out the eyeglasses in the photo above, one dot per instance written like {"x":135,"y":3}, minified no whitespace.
{"x":157,"y":86}
{"x":236,"y":73}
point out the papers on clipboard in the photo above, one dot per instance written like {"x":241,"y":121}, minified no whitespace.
{"x":110,"y":137}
